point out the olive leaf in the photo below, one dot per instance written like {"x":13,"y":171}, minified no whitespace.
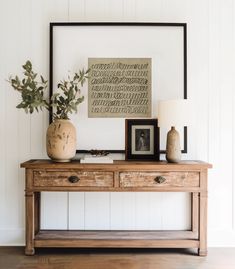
{"x":63,"y":102}
{"x":67,"y":100}
{"x":32,"y":91}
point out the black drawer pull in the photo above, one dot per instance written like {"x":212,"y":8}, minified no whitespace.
{"x":73,"y":179}
{"x":159,"y":179}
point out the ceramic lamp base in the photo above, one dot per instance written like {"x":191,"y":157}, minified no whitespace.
{"x":173,"y":150}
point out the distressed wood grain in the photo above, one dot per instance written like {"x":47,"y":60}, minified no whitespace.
{"x":149,"y":179}
{"x":183,"y":177}
{"x":61,"y":178}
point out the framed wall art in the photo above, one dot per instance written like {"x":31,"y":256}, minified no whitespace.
{"x":119,"y":87}
{"x":142,"y":139}
{"x":133,"y":66}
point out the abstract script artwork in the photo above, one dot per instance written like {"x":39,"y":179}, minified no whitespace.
{"x":119,"y":87}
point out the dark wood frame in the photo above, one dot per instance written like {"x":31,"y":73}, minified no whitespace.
{"x":128,"y":140}
{"x":113,"y":24}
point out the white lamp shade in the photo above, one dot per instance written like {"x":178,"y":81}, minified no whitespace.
{"x":173,"y":113}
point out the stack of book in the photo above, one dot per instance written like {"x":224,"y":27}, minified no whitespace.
{"x":96,"y":159}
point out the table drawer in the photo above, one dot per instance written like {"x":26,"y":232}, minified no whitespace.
{"x":159,"y":179}
{"x":73,"y":178}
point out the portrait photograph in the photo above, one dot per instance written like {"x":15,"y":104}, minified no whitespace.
{"x":142,"y":139}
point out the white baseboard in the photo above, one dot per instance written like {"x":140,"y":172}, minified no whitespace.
{"x":12,"y":237}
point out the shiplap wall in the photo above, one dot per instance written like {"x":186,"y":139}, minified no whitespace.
{"x":211,"y":66}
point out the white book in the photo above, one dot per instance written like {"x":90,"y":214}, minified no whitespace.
{"x":96,"y":159}
{"x":90,"y":157}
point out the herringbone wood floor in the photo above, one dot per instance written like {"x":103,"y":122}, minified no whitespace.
{"x":218,"y":258}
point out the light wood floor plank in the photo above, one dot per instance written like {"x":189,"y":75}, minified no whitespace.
{"x":218,"y":258}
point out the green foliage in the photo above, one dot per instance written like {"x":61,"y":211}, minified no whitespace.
{"x":32,"y":91}
{"x":64,"y":102}
{"x":68,"y":98}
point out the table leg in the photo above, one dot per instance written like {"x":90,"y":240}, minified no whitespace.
{"x":29,"y":205}
{"x":194,"y":212}
{"x":202,"y":251}
{"x":37,"y":209}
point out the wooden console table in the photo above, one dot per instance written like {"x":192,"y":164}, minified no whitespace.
{"x":45,"y":175}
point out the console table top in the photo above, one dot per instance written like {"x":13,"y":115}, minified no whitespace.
{"x":161,"y":165}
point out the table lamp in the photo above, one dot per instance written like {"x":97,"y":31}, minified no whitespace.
{"x":173,"y":114}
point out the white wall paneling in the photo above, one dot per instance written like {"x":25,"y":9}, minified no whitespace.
{"x":97,"y":210}
{"x":129,"y":10}
{"x":221,"y":121}
{"x":233,"y":125}
{"x":77,"y":10}
{"x":76,"y":208}
{"x":123,"y":211}
{"x":2,"y":134}
{"x":54,"y":210}
{"x":24,"y":28}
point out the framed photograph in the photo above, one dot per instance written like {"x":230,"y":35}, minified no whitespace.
{"x":142,"y":139}
{"x":147,"y":63}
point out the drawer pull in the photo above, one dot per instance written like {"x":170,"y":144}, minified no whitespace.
{"x":73,"y":179}
{"x":160,"y":179}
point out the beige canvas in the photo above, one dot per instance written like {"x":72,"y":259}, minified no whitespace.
{"x":119,"y":87}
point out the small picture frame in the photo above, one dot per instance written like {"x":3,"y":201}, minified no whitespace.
{"x":142,"y":139}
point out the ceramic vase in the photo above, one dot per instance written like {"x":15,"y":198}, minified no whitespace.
{"x":61,"y":140}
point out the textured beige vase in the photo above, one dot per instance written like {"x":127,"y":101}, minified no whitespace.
{"x":173,"y":150}
{"x":61,"y":141}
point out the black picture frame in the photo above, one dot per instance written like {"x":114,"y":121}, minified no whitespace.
{"x":54,"y":25}
{"x":142,"y":140}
